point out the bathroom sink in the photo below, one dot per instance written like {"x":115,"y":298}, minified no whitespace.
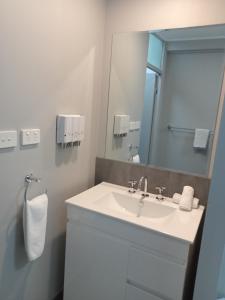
{"x":119,"y":203}
{"x":114,"y":201}
{"x":156,"y":210}
{"x":130,"y":205}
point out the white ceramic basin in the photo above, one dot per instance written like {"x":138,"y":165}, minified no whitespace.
{"x":131,"y":206}
{"x":118,"y":203}
{"x":156,"y":210}
{"x":114,"y":201}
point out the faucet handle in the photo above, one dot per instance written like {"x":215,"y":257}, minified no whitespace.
{"x":132,"y":184}
{"x":160,"y":190}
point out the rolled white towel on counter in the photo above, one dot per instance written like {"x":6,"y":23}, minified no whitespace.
{"x":186,"y":200}
{"x":34,"y":225}
{"x":177,"y":196}
{"x":188,"y":191}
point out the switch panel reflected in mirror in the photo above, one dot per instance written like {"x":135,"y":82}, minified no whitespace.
{"x":169,"y":82}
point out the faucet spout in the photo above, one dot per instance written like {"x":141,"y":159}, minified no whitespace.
{"x":145,"y":179}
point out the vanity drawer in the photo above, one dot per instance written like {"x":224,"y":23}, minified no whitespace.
{"x":156,"y":274}
{"x":133,"y":293}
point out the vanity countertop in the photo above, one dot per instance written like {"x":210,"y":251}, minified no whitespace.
{"x":164,"y":217}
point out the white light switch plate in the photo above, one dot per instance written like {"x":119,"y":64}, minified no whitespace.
{"x":8,"y":139}
{"x":30,"y":136}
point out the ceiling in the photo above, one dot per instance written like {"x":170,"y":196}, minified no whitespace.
{"x":197,"y":33}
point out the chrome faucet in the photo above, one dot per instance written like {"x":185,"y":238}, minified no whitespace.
{"x":145,"y":194}
{"x":160,"y":190}
{"x":132,"y":184}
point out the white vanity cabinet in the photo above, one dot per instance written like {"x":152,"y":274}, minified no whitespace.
{"x":108,"y":259}
{"x":133,"y":293}
{"x":96,"y":264}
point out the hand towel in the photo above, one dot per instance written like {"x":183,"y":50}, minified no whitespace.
{"x":177,"y":196}
{"x":186,"y":200}
{"x":34,"y":225}
{"x":136,"y":159}
{"x":201,"y":138}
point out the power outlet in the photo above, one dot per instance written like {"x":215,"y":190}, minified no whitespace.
{"x":30,"y":136}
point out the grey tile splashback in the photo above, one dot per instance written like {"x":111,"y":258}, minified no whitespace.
{"x":119,"y":172}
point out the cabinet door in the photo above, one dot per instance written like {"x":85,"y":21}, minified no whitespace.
{"x":134,"y":293}
{"x":156,"y":274}
{"x":96,"y":265}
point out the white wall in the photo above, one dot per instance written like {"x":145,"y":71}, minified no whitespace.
{"x":126,"y":93}
{"x":50,"y":63}
{"x":141,"y":15}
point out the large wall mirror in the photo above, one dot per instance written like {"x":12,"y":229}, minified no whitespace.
{"x":165,"y":97}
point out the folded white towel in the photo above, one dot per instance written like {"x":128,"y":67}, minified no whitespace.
{"x":34,"y":225}
{"x":201,"y":138}
{"x":177,"y":197}
{"x":186,"y":200}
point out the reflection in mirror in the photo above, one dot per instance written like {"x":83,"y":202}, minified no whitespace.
{"x":164,"y":96}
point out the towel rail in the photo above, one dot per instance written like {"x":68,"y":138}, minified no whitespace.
{"x":28,"y":180}
{"x":133,"y":147}
{"x":184,"y":129}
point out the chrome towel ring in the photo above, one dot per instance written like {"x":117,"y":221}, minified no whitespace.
{"x":28,"y":180}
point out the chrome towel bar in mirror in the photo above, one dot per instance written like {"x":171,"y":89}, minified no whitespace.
{"x":183,"y":129}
